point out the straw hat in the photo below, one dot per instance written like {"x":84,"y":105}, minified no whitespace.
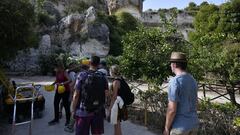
{"x":178,"y":57}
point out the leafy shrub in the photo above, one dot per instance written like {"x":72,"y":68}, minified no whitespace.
{"x":156,"y":103}
{"x":126,"y":21}
{"x":217,"y":119}
{"x":77,"y":6}
{"x":47,"y":63}
{"x":111,"y":60}
{"x":119,"y":25}
{"x":236,"y":121}
{"x":46,"y":19}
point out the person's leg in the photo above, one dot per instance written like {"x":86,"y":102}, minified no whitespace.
{"x":66,"y":104}
{"x":177,"y":132}
{"x":60,"y":109}
{"x":97,"y":124}
{"x":83,"y":125}
{"x":117,"y":128}
{"x":57,"y":99}
{"x":70,"y":126}
{"x":188,"y":132}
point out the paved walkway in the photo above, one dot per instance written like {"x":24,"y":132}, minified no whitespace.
{"x":40,"y":126}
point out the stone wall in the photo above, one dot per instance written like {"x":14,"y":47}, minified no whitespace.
{"x":183,"y":20}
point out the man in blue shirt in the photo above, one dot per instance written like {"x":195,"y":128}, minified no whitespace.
{"x":181,"y":117}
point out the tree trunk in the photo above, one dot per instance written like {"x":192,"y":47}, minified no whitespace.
{"x":231,"y":92}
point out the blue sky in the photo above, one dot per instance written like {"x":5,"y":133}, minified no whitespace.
{"x":180,"y":4}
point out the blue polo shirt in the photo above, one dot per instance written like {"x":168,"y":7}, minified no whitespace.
{"x":183,"y":90}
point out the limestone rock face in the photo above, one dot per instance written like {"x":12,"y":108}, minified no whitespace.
{"x":81,"y":36}
{"x":100,"y":32}
{"x":90,"y":15}
{"x":73,"y":21}
{"x":77,"y":34}
{"x":94,"y":47}
{"x":45,"y":45}
{"x":26,"y":61}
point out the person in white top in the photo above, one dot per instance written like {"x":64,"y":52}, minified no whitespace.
{"x":114,"y":72}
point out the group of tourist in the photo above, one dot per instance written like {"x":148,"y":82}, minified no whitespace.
{"x":74,"y":98}
{"x":88,"y":98}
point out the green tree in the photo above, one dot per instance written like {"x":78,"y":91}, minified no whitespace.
{"x":147,"y":50}
{"x":146,"y":54}
{"x":118,"y":25}
{"x":215,"y":44}
{"x":228,"y":69}
{"x":16,"y":27}
{"x":126,"y":22}
{"x":192,"y":7}
{"x":205,"y":3}
{"x":206,"y":17}
{"x":229,"y":22}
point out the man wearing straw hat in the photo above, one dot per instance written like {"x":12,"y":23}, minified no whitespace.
{"x":181,"y":117}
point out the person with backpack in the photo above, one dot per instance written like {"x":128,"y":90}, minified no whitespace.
{"x":70,"y":127}
{"x":121,"y":97}
{"x":89,"y":100}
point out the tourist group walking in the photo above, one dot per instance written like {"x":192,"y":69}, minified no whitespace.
{"x":98,"y":93}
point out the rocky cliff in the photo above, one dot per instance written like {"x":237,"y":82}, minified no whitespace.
{"x":70,"y":26}
{"x":77,"y":34}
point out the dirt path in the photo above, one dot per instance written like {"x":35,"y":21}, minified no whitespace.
{"x":40,"y":126}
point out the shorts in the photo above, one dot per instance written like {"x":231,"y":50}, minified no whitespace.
{"x":95,"y":122}
{"x":179,"y":132}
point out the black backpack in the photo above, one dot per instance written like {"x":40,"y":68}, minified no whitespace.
{"x":93,"y":91}
{"x":125,"y":92}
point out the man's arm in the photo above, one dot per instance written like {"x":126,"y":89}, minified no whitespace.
{"x":171,"y":112}
{"x":75,"y":101}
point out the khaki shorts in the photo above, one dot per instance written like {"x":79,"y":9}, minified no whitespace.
{"x":179,"y":132}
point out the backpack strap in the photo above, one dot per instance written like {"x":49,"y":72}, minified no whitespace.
{"x":93,"y":72}
{"x":117,"y":78}
{"x":120,"y":80}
